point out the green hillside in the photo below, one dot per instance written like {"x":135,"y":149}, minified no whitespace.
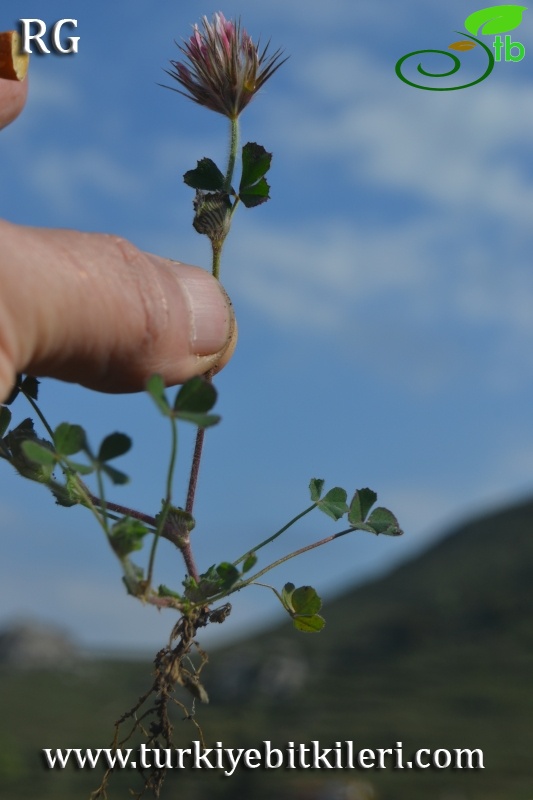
{"x":439,"y":654}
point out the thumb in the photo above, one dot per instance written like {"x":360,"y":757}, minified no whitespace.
{"x":13,"y":68}
{"x":93,"y":309}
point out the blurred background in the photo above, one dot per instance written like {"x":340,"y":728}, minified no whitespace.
{"x":383,"y":295}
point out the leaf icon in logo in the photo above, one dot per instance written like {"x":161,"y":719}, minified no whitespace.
{"x":494,"y":19}
{"x":464,"y":44}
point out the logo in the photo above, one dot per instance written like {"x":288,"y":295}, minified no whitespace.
{"x":55,"y":42}
{"x":491,"y":21}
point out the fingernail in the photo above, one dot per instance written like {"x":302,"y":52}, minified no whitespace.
{"x":213,"y":320}
{"x":13,"y":63}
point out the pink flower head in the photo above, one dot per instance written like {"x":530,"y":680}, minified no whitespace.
{"x":225,"y":68}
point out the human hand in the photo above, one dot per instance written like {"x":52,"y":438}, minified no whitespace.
{"x":93,"y":309}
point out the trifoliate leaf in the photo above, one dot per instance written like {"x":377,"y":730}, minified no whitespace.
{"x":156,"y":389}
{"x":362,"y":502}
{"x":198,"y":395}
{"x":315,"y":487}
{"x":82,"y":469}
{"x":305,"y":600}
{"x":313,"y":624}
{"x":30,"y":386}
{"x":334,"y":503}
{"x":363,"y":526}
{"x":114,"y":445}
{"x":255,"y":195}
{"x":115,"y":475}
{"x":69,"y":439}
{"x":302,"y":604}
{"x":200,"y":420}
{"x":206,"y":176}
{"x":286,"y":594}
{"x":253,"y":188}
{"x":383,"y":521}
{"x":255,"y":163}
{"x":24,"y":430}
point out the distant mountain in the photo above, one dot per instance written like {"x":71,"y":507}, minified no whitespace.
{"x":31,"y":645}
{"x":438,"y":654}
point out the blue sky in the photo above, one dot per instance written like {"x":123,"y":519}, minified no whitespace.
{"x":384,"y":294}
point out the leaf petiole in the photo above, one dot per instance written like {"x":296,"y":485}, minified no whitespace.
{"x":275,"y":535}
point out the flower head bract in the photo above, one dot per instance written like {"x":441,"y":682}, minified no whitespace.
{"x":224,"y":68}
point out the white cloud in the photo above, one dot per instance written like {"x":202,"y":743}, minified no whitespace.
{"x":420,"y":299}
{"x":322,"y":268}
{"x":460,"y":150}
{"x":63,"y":177}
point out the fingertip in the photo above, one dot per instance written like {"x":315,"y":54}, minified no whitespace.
{"x":227,"y":354}
{"x":203,"y":338}
{"x":13,"y":96}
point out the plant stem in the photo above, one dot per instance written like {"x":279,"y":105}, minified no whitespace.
{"x":125,"y":511}
{"x":216,"y":247}
{"x":195,"y":469}
{"x":186,"y":552}
{"x":233,"y":146}
{"x":162,"y":517}
{"x":40,"y":414}
{"x":217,"y":253}
{"x":103,"y":504}
{"x":253,"y":579}
{"x":296,"y":553}
{"x":267,"y":586}
{"x":275,"y":535}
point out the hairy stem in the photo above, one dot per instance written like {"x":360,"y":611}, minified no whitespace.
{"x":217,"y":253}
{"x":125,"y":511}
{"x":186,"y":552}
{"x":215,"y":269}
{"x":195,"y":469}
{"x":233,"y":146}
{"x":216,"y":247}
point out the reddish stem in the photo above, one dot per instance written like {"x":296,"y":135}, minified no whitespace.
{"x":195,"y":469}
{"x":124,"y":510}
